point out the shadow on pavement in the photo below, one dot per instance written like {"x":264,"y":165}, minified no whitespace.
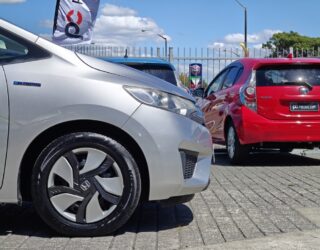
{"x":152,"y":217}
{"x":149,"y":217}
{"x":268,"y":158}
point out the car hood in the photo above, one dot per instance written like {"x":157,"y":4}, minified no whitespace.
{"x":139,"y":78}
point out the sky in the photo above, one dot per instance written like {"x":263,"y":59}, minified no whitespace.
{"x":186,"y":23}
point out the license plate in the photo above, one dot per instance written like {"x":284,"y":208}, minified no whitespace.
{"x":304,"y":106}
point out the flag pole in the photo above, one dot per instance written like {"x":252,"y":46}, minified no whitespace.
{"x":56,"y":16}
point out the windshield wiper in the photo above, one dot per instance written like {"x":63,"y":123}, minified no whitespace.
{"x":306,"y":84}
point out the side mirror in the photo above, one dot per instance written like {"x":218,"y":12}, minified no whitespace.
{"x":199,"y":92}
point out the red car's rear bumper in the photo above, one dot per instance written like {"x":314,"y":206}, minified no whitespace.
{"x":254,"y":128}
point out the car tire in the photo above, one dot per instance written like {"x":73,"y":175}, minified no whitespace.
{"x":237,"y":153}
{"x":85,"y":184}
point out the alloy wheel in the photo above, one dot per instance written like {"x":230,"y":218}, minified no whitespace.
{"x":85,"y":185}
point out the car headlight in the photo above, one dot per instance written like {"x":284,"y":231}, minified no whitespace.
{"x":170,"y":102}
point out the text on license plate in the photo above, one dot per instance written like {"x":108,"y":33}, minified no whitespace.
{"x":304,"y":106}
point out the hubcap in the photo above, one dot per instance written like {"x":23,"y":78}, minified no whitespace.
{"x":231,"y":142}
{"x":85,"y":185}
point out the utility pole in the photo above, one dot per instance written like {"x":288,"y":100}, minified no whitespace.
{"x":245,"y":24}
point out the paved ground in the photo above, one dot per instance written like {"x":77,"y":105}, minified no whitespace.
{"x":300,"y":240}
{"x":272,"y":195}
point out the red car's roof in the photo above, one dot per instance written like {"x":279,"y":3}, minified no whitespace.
{"x":258,"y":62}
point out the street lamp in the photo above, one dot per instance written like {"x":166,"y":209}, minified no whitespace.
{"x":165,"y":43}
{"x":245,"y":23}
{"x":232,"y":52}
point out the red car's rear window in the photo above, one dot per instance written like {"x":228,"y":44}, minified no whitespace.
{"x":288,"y":75}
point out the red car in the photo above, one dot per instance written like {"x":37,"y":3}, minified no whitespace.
{"x":264,"y":103}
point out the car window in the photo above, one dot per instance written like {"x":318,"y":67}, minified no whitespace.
{"x":216,"y":83}
{"x":288,"y":75}
{"x":15,"y":49}
{"x":10,"y":49}
{"x":161,"y":71}
{"x":232,"y":76}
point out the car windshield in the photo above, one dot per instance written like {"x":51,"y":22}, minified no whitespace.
{"x":161,"y":71}
{"x":289,"y":75}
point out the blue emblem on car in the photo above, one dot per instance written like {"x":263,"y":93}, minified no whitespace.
{"x":29,"y":84}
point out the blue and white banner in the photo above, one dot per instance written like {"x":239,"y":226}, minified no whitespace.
{"x":74,"y":21}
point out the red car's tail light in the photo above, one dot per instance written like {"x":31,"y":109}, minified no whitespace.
{"x":248,"y":92}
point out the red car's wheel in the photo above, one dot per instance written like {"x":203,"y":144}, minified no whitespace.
{"x":237,"y":153}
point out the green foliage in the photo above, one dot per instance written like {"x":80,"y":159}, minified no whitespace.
{"x":184,"y":78}
{"x":283,"y":41}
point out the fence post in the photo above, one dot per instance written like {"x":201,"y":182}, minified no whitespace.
{"x":158,"y":52}
{"x":212,"y":62}
{"x":170,"y":54}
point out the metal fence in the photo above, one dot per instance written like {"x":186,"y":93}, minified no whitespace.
{"x":212,"y":59}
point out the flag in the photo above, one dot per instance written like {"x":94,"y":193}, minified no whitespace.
{"x":195,"y":75}
{"x":74,"y":21}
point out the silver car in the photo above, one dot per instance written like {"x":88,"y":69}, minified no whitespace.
{"x":85,"y":140}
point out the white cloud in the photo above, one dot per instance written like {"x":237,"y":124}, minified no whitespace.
{"x":233,"y":38}
{"x":254,"y":40}
{"x":120,"y":26}
{"x":113,"y":10}
{"x":257,"y":46}
{"x":48,"y":23}
{"x":11,"y":1}
{"x":218,"y":45}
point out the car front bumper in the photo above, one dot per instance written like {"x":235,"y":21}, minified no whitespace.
{"x":175,"y":147}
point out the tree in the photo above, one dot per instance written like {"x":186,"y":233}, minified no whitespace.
{"x":184,"y":78}
{"x":280,"y":43}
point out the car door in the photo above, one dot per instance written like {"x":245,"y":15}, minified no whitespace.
{"x":4,"y":113}
{"x":219,"y":101}
{"x":212,"y":105}
{"x":227,"y":95}
{"x":15,"y":51}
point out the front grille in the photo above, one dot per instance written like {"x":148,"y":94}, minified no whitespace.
{"x":189,"y":161}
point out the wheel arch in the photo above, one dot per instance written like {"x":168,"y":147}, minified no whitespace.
{"x":47,"y":136}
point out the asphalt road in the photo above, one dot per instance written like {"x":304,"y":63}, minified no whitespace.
{"x":271,"y":195}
